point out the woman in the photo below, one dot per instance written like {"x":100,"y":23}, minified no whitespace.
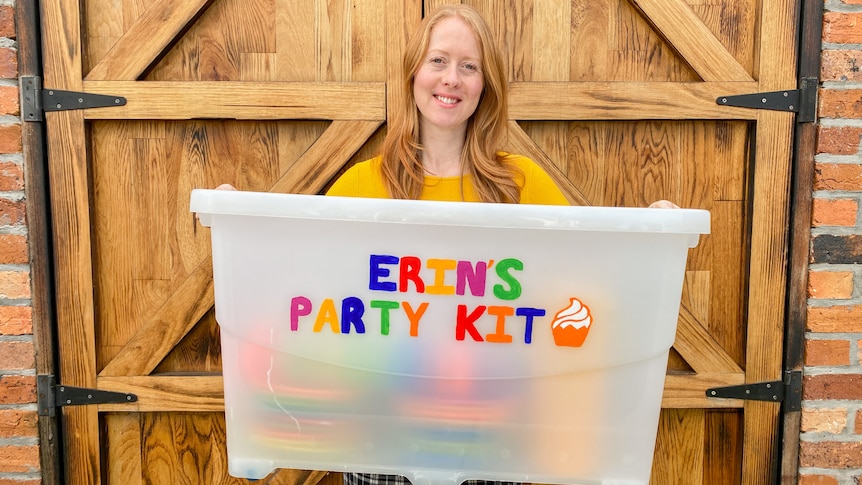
{"x":442,"y":143}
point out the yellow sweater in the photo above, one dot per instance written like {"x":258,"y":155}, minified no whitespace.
{"x":365,"y":180}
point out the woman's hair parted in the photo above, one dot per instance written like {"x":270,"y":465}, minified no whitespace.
{"x":402,"y":169}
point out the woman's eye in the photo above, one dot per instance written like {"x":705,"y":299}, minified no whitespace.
{"x":436,"y":60}
{"x":469,"y":68}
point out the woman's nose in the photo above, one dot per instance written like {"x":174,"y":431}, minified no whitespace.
{"x":451,"y":76}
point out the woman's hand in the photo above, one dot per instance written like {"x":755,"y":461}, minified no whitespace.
{"x":663,"y":204}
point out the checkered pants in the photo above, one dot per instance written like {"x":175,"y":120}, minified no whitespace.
{"x":374,"y":479}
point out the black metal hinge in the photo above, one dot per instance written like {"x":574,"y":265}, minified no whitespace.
{"x":802,"y":101}
{"x":787,"y":391}
{"x":51,"y":395}
{"x":36,"y":100}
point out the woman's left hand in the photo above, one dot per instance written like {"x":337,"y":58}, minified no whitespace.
{"x":663,"y":204}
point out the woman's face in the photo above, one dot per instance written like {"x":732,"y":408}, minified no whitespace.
{"x":449,"y":83}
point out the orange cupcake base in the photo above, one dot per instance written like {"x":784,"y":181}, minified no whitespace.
{"x":570,"y":336}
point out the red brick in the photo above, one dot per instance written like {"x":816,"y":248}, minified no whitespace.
{"x":19,"y":459}
{"x":15,"y":284}
{"x":830,"y":454}
{"x":813,"y":480}
{"x":10,"y":139}
{"x":8,"y":63}
{"x":12,"y":212}
{"x":17,"y":355}
{"x":11,"y":177}
{"x":858,"y":429}
{"x":841,"y":65}
{"x":841,"y":103}
{"x":834,"y":212}
{"x":827,"y":352}
{"x":13,"y":249}
{"x":15,"y":481}
{"x":830,"y":284}
{"x":9,"y":103}
{"x":832,"y":387}
{"x":17,"y":389}
{"x":17,"y":423}
{"x":16,"y":320}
{"x":7,"y":21}
{"x":824,"y":420}
{"x":842,"y":27}
{"x":835,"y":319}
{"x":843,"y":140}
{"x":837,"y":176}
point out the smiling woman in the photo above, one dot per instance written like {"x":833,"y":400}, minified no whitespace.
{"x":445,"y":134}
{"x":444,"y":138}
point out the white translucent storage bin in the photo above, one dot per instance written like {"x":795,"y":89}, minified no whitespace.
{"x":444,"y":341}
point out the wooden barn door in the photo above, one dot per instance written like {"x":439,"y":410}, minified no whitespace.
{"x":616,"y":98}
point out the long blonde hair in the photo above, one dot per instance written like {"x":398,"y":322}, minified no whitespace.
{"x":493,"y":180}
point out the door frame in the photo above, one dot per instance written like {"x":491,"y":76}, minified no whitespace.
{"x":809,"y":47}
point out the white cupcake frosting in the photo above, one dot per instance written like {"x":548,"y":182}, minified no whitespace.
{"x":575,"y":315}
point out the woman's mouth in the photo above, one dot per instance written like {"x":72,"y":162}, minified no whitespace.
{"x":445,"y":99}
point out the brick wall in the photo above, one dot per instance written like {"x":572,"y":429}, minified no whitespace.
{"x":19,"y":452}
{"x":831,"y":439}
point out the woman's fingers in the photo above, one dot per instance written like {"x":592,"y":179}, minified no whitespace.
{"x":663,"y":204}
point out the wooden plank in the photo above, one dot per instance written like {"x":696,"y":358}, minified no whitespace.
{"x":699,"y":348}
{"x":367,"y":43}
{"x":728,"y":244}
{"x":123,"y":448}
{"x":39,"y":235}
{"x":332,"y":48}
{"x":194,"y":296}
{"x":767,"y":275}
{"x":680,"y":441}
{"x":166,"y":393}
{"x":589,"y":37}
{"x":69,"y":182}
{"x":184,"y":448}
{"x":205,"y":393}
{"x":402,"y":19}
{"x":689,"y":390}
{"x":295,"y":24}
{"x":693,"y":40}
{"x":551,"y":46}
{"x":168,"y":100}
{"x":113,"y":227}
{"x":769,"y":243}
{"x":145,"y":41}
{"x":723,"y":446}
{"x":625,"y":100}
{"x":585,"y":163}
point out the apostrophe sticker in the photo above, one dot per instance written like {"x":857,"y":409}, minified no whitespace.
{"x":572,"y":324}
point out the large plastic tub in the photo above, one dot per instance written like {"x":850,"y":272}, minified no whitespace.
{"x":444,"y":341}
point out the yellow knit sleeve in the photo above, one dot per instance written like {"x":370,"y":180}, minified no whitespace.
{"x":361,"y":180}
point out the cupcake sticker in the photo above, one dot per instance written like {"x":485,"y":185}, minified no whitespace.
{"x":572,"y":324}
